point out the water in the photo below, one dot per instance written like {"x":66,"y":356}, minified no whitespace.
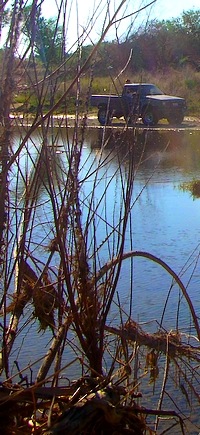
{"x":164,"y":221}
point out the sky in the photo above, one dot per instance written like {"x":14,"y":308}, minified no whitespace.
{"x":81,"y":11}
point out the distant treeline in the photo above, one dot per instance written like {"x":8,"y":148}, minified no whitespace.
{"x":156,"y":45}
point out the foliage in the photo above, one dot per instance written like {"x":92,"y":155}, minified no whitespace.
{"x":157,"y":45}
{"x":45,"y":35}
{"x":193,"y":187}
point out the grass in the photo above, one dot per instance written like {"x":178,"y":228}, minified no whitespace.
{"x":193,"y":187}
{"x":184,"y":82}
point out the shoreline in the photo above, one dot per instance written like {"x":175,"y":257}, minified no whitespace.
{"x":91,"y":121}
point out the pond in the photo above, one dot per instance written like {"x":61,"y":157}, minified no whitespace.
{"x":164,"y":221}
{"x":165,"y":218}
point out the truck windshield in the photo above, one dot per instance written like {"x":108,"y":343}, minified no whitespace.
{"x":151,"y":90}
{"x":142,"y":89}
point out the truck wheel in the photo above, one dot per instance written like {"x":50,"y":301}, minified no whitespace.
{"x":149,"y":117}
{"x":104,"y":116}
{"x":176,"y":119}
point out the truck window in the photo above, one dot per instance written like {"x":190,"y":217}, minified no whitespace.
{"x":130,"y":91}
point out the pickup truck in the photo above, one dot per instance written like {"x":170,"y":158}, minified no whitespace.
{"x":139,"y":100}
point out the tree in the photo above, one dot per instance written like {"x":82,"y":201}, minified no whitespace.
{"x":191,"y":23}
{"x":45,"y":36}
{"x":167,"y":42}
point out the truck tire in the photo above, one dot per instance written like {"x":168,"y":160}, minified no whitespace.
{"x":176,"y":119}
{"x":104,"y":116}
{"x":149,"y":117}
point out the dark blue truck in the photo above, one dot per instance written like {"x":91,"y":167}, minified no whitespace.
{"x":139,"y":100}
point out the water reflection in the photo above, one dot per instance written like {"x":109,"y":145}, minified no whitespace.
{"x":181,"y":148}
{"x":164,"y":219}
